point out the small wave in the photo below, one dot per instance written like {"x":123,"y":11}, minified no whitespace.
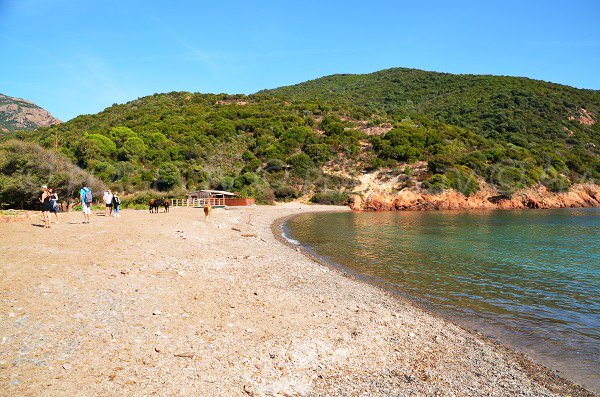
{"x":289,"y":240}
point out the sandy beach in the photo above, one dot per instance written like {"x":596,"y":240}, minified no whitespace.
{"x":171,"y":304}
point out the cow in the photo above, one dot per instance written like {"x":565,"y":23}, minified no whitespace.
{"x":156,"y":203}
{"x":207,"y":210}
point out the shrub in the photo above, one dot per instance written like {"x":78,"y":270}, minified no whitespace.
{"x":139,"y":199}
{"x":168,"y":177}
{"x":438,"y":166}
{"x":286,"y":193}
{"x":436,"y":184}
{"x":554,"y":181}
{"x":25,"y":167}
{"x":331,"y":198}
{"x":301,"y":164}
{"x":462,"y":180}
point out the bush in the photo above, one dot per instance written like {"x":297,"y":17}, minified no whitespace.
{"x":509,"y":178}
{"x":376,"y":163}
{"x":286,"y":193}
{"x":168,"y":177}
{"x":436,"y":184}
{"x":139,"y":199}
{"x":25,"y":167}
{"x":438,"y":166}
{"x":301,"y":165}
{"x":462,"y":180}
{"x":330,"y":198}
{"x":554,"y":181}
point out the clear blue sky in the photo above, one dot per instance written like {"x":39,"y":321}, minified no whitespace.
{"x":76,"y":57}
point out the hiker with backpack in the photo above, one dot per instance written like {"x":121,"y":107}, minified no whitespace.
{"x":85,"y":195}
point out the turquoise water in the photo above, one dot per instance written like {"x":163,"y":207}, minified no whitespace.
{"x":530,"y":278}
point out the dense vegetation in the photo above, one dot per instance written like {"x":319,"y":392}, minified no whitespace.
{"x":25,"y":167}
{"x":318,"y":137}
{"x":514,"y":109}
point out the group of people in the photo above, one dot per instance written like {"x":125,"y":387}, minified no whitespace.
{"x":49,"y":202}
{"x":113,"y":204}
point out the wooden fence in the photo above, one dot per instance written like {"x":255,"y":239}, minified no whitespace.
{"x":200,"y":202}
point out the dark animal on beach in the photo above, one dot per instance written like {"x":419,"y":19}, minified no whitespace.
{"x":156,"y":203}
{"x":153,"y":205}
{"x":207,"y":210}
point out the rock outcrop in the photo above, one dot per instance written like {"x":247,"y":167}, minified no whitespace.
{"x":487,"y":198}
{"x":19,"y":114}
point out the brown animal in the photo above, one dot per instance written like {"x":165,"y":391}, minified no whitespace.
{"x":207,"y":210}
{"x":156,"y":203}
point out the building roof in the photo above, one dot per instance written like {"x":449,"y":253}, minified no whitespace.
{"x":214,"y":192}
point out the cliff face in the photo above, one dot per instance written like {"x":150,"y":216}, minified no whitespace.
{"x":19,"y":114}
{"x":486,"y":198}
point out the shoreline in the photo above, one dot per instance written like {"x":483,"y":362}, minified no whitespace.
{"x":173,"y":304}
{"x":537,"y":371}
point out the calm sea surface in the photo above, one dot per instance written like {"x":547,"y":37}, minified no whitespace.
{"x":530,"y":278}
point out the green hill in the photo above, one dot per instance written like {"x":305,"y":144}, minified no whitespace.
{"x":322,"y":135}
{"x":500,"y":107}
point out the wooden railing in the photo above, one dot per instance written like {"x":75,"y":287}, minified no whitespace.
{"x":200,"y":202}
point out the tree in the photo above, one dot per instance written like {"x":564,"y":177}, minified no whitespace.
{"x":134,"y":147}
{"x":98,"y":146}
{"x":301,"y":165}
{"x":168,"y":177}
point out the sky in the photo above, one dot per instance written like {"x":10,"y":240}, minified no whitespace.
{"x":81,"y":56}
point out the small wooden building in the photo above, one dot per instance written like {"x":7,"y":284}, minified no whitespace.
{"x":216,"y":198}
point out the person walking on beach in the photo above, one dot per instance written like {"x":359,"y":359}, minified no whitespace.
{"x":54,"y":198}
{"x":46,"y":202}
{"x":85,"y":196}
{"x":108,"y":198}
{"x":116,"y":204}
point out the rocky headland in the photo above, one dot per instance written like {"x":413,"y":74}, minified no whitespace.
{"x":579,"y":196}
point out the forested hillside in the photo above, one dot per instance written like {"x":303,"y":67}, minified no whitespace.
{"x":515,"y":109}
{"x":435,"y":130}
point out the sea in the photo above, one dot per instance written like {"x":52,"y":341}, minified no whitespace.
{"x":526,"y":278}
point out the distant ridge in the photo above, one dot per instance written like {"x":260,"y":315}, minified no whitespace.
{"x":511,"y":108}
{"x":19,"y":114}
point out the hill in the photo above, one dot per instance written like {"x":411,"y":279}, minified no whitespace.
{"x":510,"y":108}
{"x":19,"y":114}
{"x":395,"y":129}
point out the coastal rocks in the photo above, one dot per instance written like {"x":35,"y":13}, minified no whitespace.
{"x":579,"y":196}
{"x":379,"y":202}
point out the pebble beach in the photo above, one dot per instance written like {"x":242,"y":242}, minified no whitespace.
{"x":175,"y":304}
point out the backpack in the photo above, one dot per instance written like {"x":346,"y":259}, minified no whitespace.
{"x":88,"y":196}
